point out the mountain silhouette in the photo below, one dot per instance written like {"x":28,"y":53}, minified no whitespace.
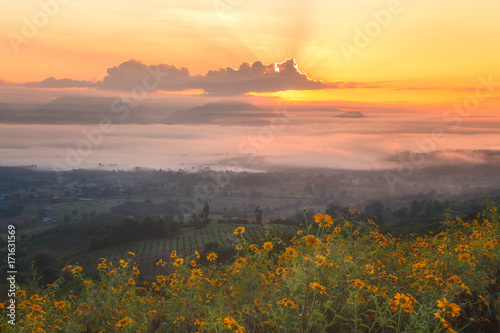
{"x":220,"y":113}
{"x":350,"y":114}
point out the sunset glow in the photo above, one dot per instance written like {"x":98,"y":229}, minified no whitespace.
{"x":397,"y":59}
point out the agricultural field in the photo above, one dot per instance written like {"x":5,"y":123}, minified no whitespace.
{"x":186,"y":242}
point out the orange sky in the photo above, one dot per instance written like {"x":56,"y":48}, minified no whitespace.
{"x":418,"y":51}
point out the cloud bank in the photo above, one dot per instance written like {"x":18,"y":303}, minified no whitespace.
{"x":60,"y":83}
{"x":249,"y":77}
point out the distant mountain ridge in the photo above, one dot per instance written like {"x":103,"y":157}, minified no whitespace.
{"x":227,"y":106}
{"x":350,"y":114}
{"x":221,"y":113}
{"x":68,"y":110}
{"x":77,"y":110}
{"x":82,"y":110}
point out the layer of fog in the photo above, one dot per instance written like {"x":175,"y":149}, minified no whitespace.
{"x":299,"y":140}
{"x":301,"y":135}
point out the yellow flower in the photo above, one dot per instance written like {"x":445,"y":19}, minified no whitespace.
{"x":136,"y":271}
{"x":406,"y":302}
{"x":291,"y":252}
{"x":450,"y":308}
{"x":239,"y":231}
{"x":316,"y":285}
{"x":232,"y":324}
{"x":268,"y":246}
{"x":160,"y":262}
{"x":132,"y":254}
{"x":287,"y":302}
{"x":123,"y":263}
{"x":199,"y":323}
{"x":254,"y":248}
{"x":77,"y":269}
{"x":311,"y":241}
{"x":60,"y":305}
{"x":124,"y":321}
{"x":197,"y":254}
{"x":211,"y":256}
{"x":173,"y":254}
{"x":66,"y":267}
{"x":178,"y":262}
{"x":323,"y":220}
{"x":36,"y":307}
{"x":131,"y":282}
{"x":196,"y":273}
{"x":445,"y":323}
{"x":257,"y":302}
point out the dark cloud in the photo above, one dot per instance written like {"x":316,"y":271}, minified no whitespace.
{"x":257,"y":77}
{"x":133,"y":73}
{"x":249,"y":77}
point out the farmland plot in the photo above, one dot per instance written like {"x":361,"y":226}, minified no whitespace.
{"x":148,"y":252}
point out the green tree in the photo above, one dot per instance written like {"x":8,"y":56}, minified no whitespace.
{"x":206,"y":211}
{"x":258,"y":215}
{"x":66,"y":219}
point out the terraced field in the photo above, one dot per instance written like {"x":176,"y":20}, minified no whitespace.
{"x":186,"y":242}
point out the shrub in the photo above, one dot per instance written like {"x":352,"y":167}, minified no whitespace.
{"x":334,"y":276}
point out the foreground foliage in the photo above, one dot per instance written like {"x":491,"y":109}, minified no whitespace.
{"x":334,"y":276}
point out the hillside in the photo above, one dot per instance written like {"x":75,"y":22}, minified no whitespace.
{"x":335,"y":275}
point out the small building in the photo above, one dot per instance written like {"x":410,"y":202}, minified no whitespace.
{"x":50,"y":208}
{"x":73,"y":190}
{"x":48,"y":220}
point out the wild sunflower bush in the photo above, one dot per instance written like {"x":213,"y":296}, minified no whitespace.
{"x":338,"y":275}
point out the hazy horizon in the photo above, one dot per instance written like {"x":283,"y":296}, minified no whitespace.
{"x":365,"y":85}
